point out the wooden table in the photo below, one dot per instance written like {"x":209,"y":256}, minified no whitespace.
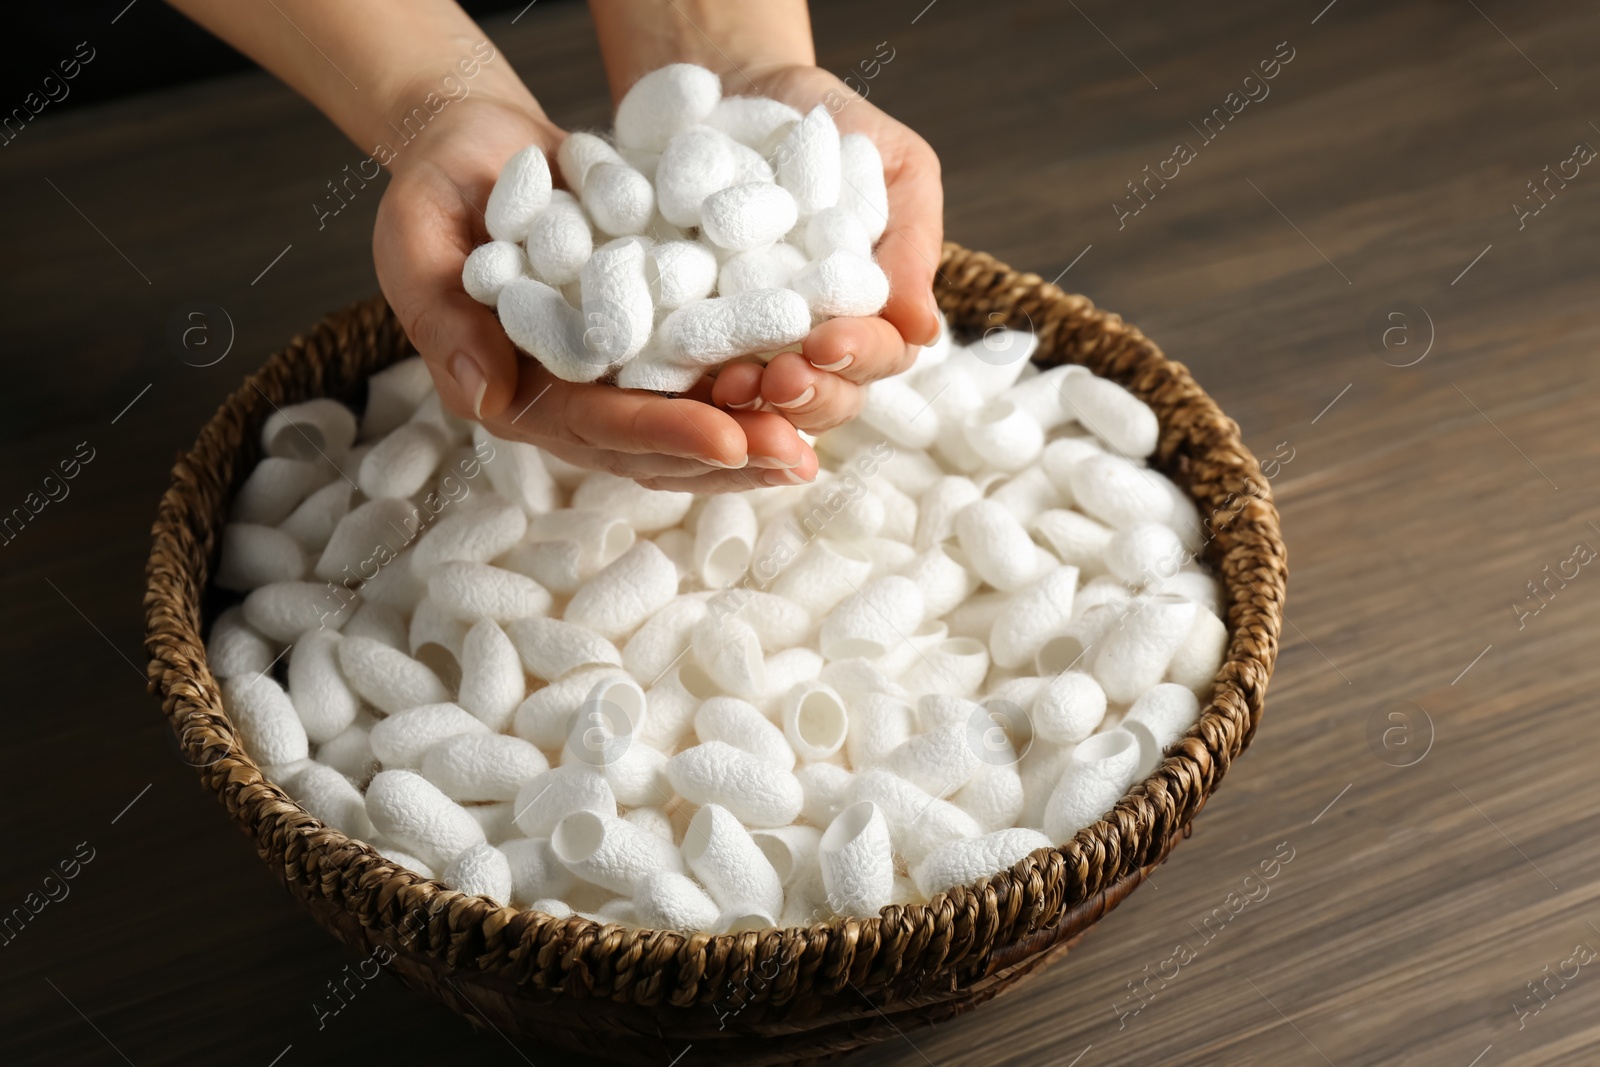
{"x":1343,"y":266}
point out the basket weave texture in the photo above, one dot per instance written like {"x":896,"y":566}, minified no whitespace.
{"x":777,"y":996}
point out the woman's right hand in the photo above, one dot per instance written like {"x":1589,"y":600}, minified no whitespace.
{"x":431,"y":217}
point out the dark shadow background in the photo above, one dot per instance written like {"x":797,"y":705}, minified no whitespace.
{"x":1422,"y":498}
{"x":158,"y":48}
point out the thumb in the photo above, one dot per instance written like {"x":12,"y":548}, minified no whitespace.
{"x":909,"y":252}
{"x":419,"y":245}
{"x":474,"y":364}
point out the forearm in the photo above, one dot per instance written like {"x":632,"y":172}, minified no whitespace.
{"x":361,"y":61}
{"x":735,"y":38}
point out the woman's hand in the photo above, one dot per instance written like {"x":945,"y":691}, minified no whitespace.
{"x":431,"y":217}
{"x":819,"y":387}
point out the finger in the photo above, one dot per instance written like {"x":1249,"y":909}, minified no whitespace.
{"x":700,"y":390}
{"x":774,"y":442}
{"x":737,"y":481}
{"x":421,"y":240}
{"x":720,"y":482}
{"x":911,"y":246}
{"x":626,"y":465}
{"x":861,"y":350}
{"x":630,"y":421}
{"x":606,"y":418}
{"x":813,"y":400}
{"x":738,"y":386}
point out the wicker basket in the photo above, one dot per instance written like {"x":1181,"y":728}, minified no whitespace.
{"x":778,"y":996}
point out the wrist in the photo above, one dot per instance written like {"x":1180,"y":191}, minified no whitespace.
{"x":737,"y":40}
{"x":470,"y":117}
{"x":420,"y":98}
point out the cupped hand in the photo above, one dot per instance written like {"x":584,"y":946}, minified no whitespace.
{"x":431,"y":217}
{"x":819,"y":387}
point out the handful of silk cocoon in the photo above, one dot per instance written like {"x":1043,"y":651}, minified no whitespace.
{"x":980,"y":626}
{"x":711,"y":230}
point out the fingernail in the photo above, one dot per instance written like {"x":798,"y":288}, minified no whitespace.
{"x":748,"y":405}
{"x":470,"y":380}
{"x":783,"y":477}
{"x":710,"y":462}
{"x":802,"y":399}
{"x":848,"y":359}
{"x":773,"y":463}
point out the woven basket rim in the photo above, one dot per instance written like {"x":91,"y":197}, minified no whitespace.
{"x":982,"y":927}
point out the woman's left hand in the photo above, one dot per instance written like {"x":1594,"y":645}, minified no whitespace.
{"x":819,"y":387}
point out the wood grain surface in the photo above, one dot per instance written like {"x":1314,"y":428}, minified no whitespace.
{"x":1343,"y":266}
